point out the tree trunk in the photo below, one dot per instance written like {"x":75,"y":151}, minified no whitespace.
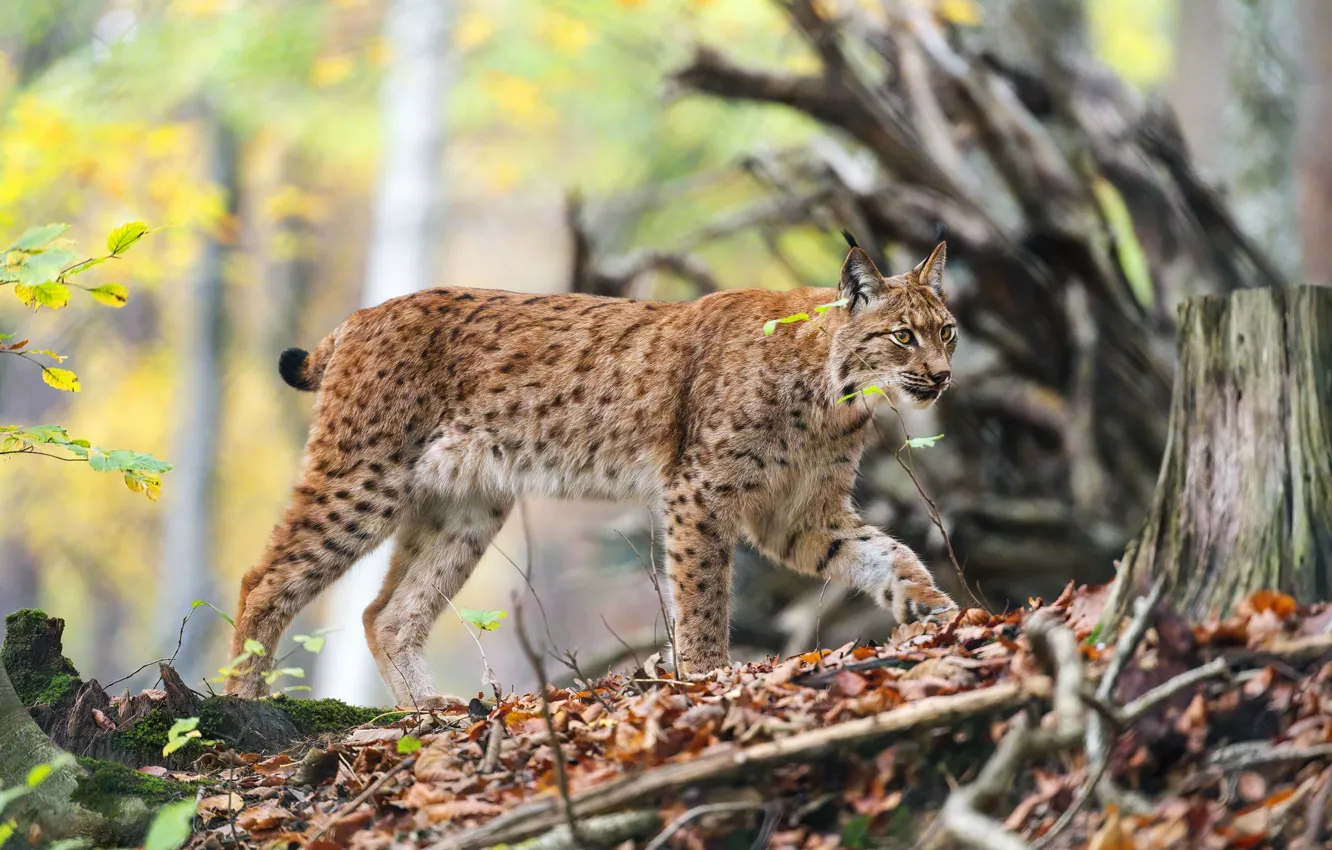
{"x":1244,"y":498}
{"x":186,"y":566}
{"x":406,"y":218}
{"x":1313,"y":154}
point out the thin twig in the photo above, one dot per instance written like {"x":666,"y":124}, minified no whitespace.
{"x":490,"y":677}
{"x":108,"y":686}
{"x":557,"y":751}
{"x":698,"y":812}
{"x":493,"y":746}
{"x":31,"y":451}
{"x":651,"y":569}
{"x":570,"y":660}
{"x":361,"y":797}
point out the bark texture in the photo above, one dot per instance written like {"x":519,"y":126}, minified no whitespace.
{"x":1244,"y":499}
{"x":407,"y":214}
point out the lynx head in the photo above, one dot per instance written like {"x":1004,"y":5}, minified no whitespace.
{"x":899,"y":336}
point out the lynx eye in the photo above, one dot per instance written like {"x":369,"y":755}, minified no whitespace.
{"x":947,"y":333}
{"x":903,"y":337}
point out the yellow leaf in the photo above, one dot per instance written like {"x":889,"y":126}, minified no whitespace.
{"x":566,"y":34}
{"x":965,"y":13}
{"x":110,"y":294}
{"x":51,"y":294}
{"x":330,"y":70}
{"x":518,"y":99}
{"x":473,"y":30}
{"x":61,"y":379}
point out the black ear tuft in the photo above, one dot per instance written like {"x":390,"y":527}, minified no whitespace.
{"x":850,"y":240}
{"x":940,"y":232}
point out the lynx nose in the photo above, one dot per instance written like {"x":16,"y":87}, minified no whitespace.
{"x":940,"y":378}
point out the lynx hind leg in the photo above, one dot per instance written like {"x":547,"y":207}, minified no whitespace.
{"x":335,"y":517}
{"x":436,"y":551}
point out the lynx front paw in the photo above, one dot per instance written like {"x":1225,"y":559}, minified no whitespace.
{"x":914,"y":602}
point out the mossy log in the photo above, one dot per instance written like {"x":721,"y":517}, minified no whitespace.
{"x":132,"y":729}
{"x":1244,"y":497}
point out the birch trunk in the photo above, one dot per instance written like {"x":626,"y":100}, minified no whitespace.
{"x":406,"y":223}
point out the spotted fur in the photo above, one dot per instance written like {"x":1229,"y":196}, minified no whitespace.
{"x":438,"y":409}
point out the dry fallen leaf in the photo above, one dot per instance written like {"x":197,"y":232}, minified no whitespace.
{"x":261,"y":818}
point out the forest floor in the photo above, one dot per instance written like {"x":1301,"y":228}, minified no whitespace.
{"x":1014,"y":730}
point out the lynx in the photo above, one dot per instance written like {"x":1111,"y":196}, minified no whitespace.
{"x":437,"y":410}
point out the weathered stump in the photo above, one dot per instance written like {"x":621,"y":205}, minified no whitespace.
{"x":1244,"y":497}
{"x":82,"y":718}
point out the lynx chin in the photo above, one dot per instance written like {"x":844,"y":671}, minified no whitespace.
{"x":437,"y":410}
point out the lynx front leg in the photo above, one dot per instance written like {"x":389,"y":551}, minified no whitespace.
{"x":701,"y":533}
{"x":840,"y":547}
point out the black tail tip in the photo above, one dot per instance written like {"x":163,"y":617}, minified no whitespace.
{"x":850,"y":240}
{"x":291,"y":366}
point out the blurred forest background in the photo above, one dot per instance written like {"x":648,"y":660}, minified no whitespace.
{"x":312,"y":156}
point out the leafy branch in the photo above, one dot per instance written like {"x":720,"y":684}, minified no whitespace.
{"x":142,"y":472}
{"x":40,"y":268}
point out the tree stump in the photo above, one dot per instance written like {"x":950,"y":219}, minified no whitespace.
{"x":1244,"y":497}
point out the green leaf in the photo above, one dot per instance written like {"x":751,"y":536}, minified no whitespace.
{"x":44,"y":267}
{"x":59,"y":358}
{"x":486,"y":620}
{"x":855,"y":832}
{"x":7,"y":829}
{"x":1132,"y":260}
{"x":220,"y":612}
{"x":823,"y":308}
{"x":254,"y":647}
{"x":38,"y":237}
{"x":872,"y":389}
{"x":771,"y":325}
{"x":61,"y":379}
{"x":180,"y":734}
{"x":70,"y":844}
{"x":273,"y":675}
{"x":41,"y":772}
{"x":38,"y":774}
{"x":110,"y":294}
{"x":124,"y":236}
{"x":171,"y":826}
{"x":310,"y":642}
{"x":52,"y":294}
{"x":923,"y":442}
{"x":408,"y":744}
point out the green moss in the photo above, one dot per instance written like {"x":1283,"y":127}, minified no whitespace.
{"x":108,"y":783}
{"x":324,"y":716}
{"x":149,"y":735}
{"x":31,"y":655}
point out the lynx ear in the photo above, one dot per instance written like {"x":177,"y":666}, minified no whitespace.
{"x":930,"y":270}
{"x":861,"y":282}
